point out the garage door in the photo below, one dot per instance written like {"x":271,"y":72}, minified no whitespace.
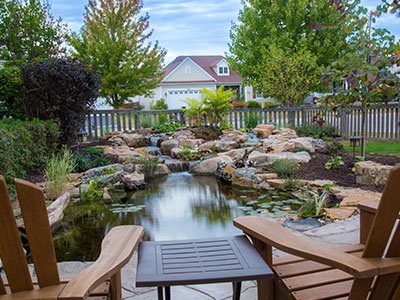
{"x":175,"y":97}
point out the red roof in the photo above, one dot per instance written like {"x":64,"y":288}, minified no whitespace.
{"x":206,"y":63}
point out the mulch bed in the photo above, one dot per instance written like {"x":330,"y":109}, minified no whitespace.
{"x":343,"y":175}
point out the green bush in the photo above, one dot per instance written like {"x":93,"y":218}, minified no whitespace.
{"x":254,"y":104}
{"x":25,"y":146}
{"x":270,"y":105}
{"x":56,"y":172}
{"x":145,"y":121}
{"x":325,"y":132}
{"x":285,"y":168}
{"x":335,"y":162}
{"x":11,"y":92}
{"x":89,"y":158}
{"x":169,"y":126}
{"x":333,"y":148}
{"x":290,"y":184}
{"x":160,"y":104}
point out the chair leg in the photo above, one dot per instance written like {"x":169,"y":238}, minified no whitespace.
{"x":116,"y":287}
{"x":160,"y":293}
{"x":237,"y":289}
{"x":167,"y":293}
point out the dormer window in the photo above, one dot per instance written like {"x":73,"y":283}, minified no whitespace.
{"x":223,"y":71}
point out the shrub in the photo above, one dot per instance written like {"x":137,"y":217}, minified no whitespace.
{"x":290,"y":184}
{"x":285,"y":168}
{"x":189,"y":154}
{"x":335,"y":162}
{"x":270,"y":105}
{"x":93,"y":193}
{"x":254,"y":104}
{"x":252,"y":119}
{"x":145,"y":121}
{"x":166,"y":127}
{"x":325,"y":132}
{"x":56,"y":172}
{"x":239,"y":104}
{"x":89,"y":158}
{"x":11,"y":92}
{"x":148,"y":164}
{"x":160,"y":104}
{"x":25,"y":146}
{"x":60,"y":89}
{"x":333,"y":148}
{"x":314,"y":204}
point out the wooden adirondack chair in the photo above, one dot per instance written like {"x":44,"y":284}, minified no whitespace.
{"x":93,"y":283}
{"x":312,"y":271}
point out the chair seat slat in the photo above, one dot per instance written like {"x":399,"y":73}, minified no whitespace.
{"x":11,"y":251}
{"x":33,"y":208}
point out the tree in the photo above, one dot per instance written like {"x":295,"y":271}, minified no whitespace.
{"x":285,"y":28}
{"x":369,"y":68}
{"x":28,"y":31}
{"x":290,"y":78}
{"x":113,"y":40}
{"x":63,"y":90}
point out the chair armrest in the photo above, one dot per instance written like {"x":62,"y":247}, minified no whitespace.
{"x":275,"y":235}
{"x":116,"y":250}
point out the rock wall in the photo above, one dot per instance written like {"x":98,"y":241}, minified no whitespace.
{"x":372,"y":173}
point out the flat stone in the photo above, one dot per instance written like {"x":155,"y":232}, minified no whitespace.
{"x":175,"y":152}
{"x":133,"y":181}
{"x":343,"y":192}
{"x":207,"y":146}
{"x":122,"y":153}
{"x":148,"y":150}
{"x":304,"y":142}
{"x":341,"y":213}
{"x":234,"y":135}
{"x":223,"y":146}
{"x":320,"y":183}
{"x":191,"y":143}
{"x":268,"y":176}
{"x":354,"y":200}
{"x":302,"y":224}
{"x":162,"y":170}
{"x":298,"y":157}
{"x":135,"y":140}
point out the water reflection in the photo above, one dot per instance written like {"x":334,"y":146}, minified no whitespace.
{"x":179,"y":206}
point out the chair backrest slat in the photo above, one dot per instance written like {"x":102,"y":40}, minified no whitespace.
{"x":34,"y":212}
{"x":2,"y":287}
{"x":11,"y":250}
{"x":385,"y":217}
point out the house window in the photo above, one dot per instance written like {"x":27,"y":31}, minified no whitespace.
{"x":223,"y":70}
{"x":188,"y":70}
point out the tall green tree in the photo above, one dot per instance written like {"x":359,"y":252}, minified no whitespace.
{"x":290,"y":28}
{"x":29,"y":32}
{"x":114,"y":41}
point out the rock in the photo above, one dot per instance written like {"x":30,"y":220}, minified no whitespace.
{"x":319,"y":183}
{"x":148,"y":150}
{"x":209,"y":166}
{"x":162,"y":170}
{"x":129,"y":167}
{"x":225,"y":170}
{"x":302,"y":224}
{"x":176,"y":152}
{"x":283,"y":147}
{"x":298,"y":157}
{"x":183,"y":135}
{"x":354,"y":200}
{"x":75,"y":193}
{"x":116,"y":141}
{"x":285,"y":133}
{"x":106,"y":196}
{"x":122,"y":153}
{"x":107,"y":174}
{"x":268,"y":176}
{"x":191,"y":143}
{"x":135,"y":140}
{"x":258,"y":158}
{"x":304,"y":142}
{"x":56,"y":209}
{"x":234,"y":135}
{"x":276,"y":183}
{"x":224,"y":146}
{"x":343,"y":192}
{"x":264,"y":130}
{"x":372,"y":173}
{"x":340,"y":213}
{"x":247,"y":177}
{"x":318,"y":144}
{"x":168,"y":145}
{"x":133,"y":181}
{"x":176,"y":165}
{"x":208,"y":146}
{"x":235,"y":154}
{"x":144,"y":131}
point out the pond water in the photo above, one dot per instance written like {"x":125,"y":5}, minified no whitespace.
{"x":179,"y":206}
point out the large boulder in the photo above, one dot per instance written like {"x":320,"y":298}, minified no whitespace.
{"x":298,"y":157}
{"x":224,"y":146}
{"x":209,"y":166}
{"x":162,"y":170}
{"x":168,"y":145}
{"x":175,"y":153}
{"x":372,"y":173}
{"x":183,"y":135}
{"x":234,"y":135}
{"x":121,"y":153}
{"x":133,"y":181}
{"x":191,"y":143}
{"x":135,"y":140}
{"x":264,"y":130}
{"x":107,"y":175}
{"x":305,"y":143}
{"x":148,"y":150}
{"x":247,"y":177}
{"x":235,"y":154}
{"x":258,"y":158}
{"x":283,"y":147}
{"x":225,"y":170}
{"x":207,"y":146}
{"x":285,"y":134}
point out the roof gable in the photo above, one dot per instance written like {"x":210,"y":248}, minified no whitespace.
{"x":207,"y":64}
{"x":188,"y":70}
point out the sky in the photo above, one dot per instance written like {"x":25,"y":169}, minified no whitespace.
{"x":191,"y":27}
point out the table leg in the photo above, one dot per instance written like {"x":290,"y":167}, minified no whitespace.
{"x":167,"y":293}
{"x":237,"y":289}
{"x":160,"y":293}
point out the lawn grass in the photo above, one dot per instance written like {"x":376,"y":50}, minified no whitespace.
{"x":377,"y":147}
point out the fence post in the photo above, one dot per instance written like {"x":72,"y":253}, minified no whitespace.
{"x":291,"y":118}
{"x":136,"y":121}
{"x":344,"y":123}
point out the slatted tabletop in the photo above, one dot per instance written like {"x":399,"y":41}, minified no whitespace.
{"x":231,"y":259}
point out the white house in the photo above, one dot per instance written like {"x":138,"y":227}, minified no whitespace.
{"x":186,"y":75}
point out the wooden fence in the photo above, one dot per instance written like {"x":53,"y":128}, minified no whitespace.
{"x":382,"y":121}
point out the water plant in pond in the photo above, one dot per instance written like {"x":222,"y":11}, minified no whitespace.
{"x":93,"y":193}
{"x":314,"y":204}
{"x":89,"y":158}
{"x":148,"y":164}
{"x":189,"y":154}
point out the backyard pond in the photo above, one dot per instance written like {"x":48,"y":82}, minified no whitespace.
{"x":178,"y":206}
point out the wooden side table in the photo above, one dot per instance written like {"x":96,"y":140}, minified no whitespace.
{"x":229,"y":259}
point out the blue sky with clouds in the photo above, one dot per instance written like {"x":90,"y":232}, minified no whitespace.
{"x":191,"y":27}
